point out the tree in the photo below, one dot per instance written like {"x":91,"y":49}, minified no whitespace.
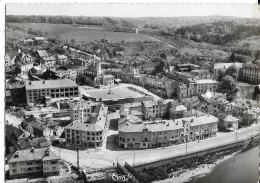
{"x":17,"y":70}
{"x":163,"y":55}
{"x":221,"y":74}
{"x":159,"y":68}
{"x":257,"y":55}
{"x":228,"y":83}
{"x":232,"y":71}
{"x":232,"y":57}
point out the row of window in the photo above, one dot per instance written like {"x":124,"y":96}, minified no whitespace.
{"x":88,"y":133}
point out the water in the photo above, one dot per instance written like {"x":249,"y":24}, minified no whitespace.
{"x":242,"y":168}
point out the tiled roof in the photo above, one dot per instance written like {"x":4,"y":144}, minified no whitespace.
{"x":33,"y":155}
{"x":59,"y":83}
{"x":205,"y":81}
{"x":230,"y":118}
{"x":42,"y":53}
{"x":49,"y":58}
{"x":226,"y":65}
{"x":62,"y":57}
{"x":167,"y":125}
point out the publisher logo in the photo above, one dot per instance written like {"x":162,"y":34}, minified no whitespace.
{"x":120,"y":178}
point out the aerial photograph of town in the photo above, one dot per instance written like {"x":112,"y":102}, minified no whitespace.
{"x":136,"y":98}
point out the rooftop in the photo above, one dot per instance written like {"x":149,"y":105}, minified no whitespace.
{"x":33,"y":155}
{"x":206,"y":81}
{"x":59,"y":83}
{"x":226,"y":65}
{"x":167,"y":125}
{"x":42,"y":53}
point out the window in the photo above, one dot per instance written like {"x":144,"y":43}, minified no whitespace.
{"x":14,"y":171}
{"x":133,"y":139}
{"x":14,"y":165}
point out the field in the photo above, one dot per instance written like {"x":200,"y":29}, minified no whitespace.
{"x":80,"y":34}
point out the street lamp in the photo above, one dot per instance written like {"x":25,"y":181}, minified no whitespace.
{"x":186,"y":141}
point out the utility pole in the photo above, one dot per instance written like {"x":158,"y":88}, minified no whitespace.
{"x":78,"y":158}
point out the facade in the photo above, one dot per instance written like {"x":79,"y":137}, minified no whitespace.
{"x":49,"y":61}
{"x":202,"y":74}
{"x":62,"y":59}
{"x":224,"y":66}
{"x":89,"y":134}
{"x":34,"y":162}
{"x":230,"y":123}
{"x":35,"y":90}
{"x":83,"y":110}
{"x":167,"y":132}
{"x":251,"y":73}
{"x":102,"y":78}
{"x":192,"y":102}
{"x":155,"y":109}
{"x":205,"y":85}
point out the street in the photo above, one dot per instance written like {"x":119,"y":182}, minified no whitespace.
{"x":106,"y":157}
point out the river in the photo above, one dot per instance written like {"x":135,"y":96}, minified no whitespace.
{"x":241,"y":168}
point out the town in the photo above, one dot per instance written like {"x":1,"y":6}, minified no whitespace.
{"x":71,"y":112}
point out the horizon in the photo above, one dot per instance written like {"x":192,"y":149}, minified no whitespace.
{"x":134,"y":10}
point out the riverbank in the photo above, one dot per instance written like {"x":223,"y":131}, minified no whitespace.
{"x":185,"y":175}
{"x":183,"y":169}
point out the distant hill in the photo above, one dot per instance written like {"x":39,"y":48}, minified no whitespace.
{"x":142,"y":22}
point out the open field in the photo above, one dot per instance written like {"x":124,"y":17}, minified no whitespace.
{"x":86,"y":34}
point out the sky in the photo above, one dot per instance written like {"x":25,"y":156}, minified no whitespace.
{"x":135,"y":10}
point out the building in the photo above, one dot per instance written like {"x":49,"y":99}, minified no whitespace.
{"x":204,"y":85}
{"x":39,"y":39}
{"x":41,"y":53}
{"x":35,"y":90}
{"x":224,"y":66}
{"x":34,"y":162}
{"x":102,"y":78}
{"x":186,"y":67}
{"x":251,"y":73}
{"x":191,"y":102}
{"x":90,"y":133}
{"x":39,"y":128}
{"x":48,"y":61}
{"x":62,"y":59}
{"x":168,"y":132}
{"x":156,"y":109}
{"x":202,"y":74}
{"x":230,"y":123}
{"x":83,"y":110}
{"x":177,"y":110}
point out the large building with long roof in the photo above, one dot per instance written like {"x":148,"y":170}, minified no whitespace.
{"x":35,"y":90}
{"x":166,"y":132}
{"x":33,"y":162}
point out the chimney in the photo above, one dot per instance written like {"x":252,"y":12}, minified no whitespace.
{"x":32,"y":150}
{"x":47,"y":153}
{"x":43,"y":82}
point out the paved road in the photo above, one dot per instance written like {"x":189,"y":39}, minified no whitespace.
{"x":106,"y":157}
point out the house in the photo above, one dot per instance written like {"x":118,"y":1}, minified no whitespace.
{"x":191,"y":102}
{"x":224,"y":66}
{"x":251,"y":73}
{"x":202,"y":74}
{"x":35,"y":90}
{"x":89,"y":133}
{"x":12,"y":137}
{"x":62,"y":59}
{"x":230,"y":123}
{"x":83,"y":110}
{"x":39,"y":128}
{"x":167,"y":132}
{"x":42,"y":53}
{"x":80,"y":61}
{"x":9,"y":64}
{"x":156,"y":109}
{"x":48,"y":61}
{"x":17,"y":91}
{"x":177,"y":110}
{"x":204,"y":85}
{"x":34,"y":162}
{"x":39,"y":39}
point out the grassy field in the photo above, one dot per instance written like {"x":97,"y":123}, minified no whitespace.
{"x":86,"y":34}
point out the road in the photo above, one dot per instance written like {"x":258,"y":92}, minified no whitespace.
{"x":155,"y":39}
{"x":106,"y":157}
